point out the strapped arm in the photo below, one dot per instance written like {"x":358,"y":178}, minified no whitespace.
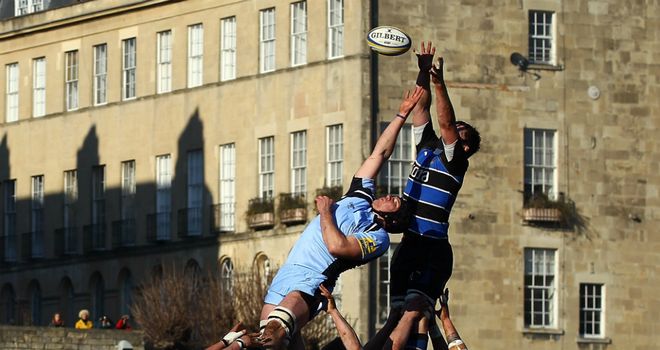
{"x":445,"y":110}
{"x":421,"y":113}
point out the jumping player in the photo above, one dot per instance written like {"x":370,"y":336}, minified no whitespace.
{"x":423,"y":262}
{"x":344,"y":235}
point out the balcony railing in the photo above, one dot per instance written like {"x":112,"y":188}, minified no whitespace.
{"x":223,"y":217}
{"x":159,"y":227}
{"x":123,"y":233}
{"x":190,"y":222}
{"x":66,"y":241}
{"x":94,"y":237}
{"x":33,"y":245}
{"x":542,"y":215}
{"x":9,"y":248}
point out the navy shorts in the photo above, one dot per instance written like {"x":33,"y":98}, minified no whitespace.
{"x":421,"y":263}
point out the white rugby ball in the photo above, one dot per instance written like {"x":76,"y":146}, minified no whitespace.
{"x":388,"y":40}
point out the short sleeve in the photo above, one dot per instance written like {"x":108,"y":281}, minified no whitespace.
{"x":362,"y":188}
{"x":373,"y":243}
{"x":428,"y":138}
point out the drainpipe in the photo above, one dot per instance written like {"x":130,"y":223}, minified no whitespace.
{"x":373,"y":82}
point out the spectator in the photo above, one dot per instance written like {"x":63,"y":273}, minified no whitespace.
{"x":105,"y":323}
{"x":123,"y":323}
{"x":84,"y":322}
{"x":56,"y":321}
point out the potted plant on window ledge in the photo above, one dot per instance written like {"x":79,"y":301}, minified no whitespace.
{"x":260,"y":213}
{"x":540,"y":209}
{"x":334,"y":192}
{"x":292,"y":208}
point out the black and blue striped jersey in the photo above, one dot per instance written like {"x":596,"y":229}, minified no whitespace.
{"x":433,"y":184}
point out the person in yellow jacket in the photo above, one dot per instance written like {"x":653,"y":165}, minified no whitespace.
{"x":84,"y":322}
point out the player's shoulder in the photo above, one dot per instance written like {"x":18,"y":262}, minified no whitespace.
{"x":362,"y":188}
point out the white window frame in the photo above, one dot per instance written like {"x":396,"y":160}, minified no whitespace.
{"x":267,"y":167}
{"x":228,"y":48}
{"x":11,"y":99}
{"x":100,"y":93}
{"x":100,"y":74}
{"x":98,"y":195}
{"x":334,"y":154}
{"x":267,"y":40}
{"x":39,"y":87}
{"x":299,"y":162}
{"x":37,"y":216}
{"x":70,"y":197}
{"x":25,"y":7}
{"x":542,"y":33}
{"x":592,"y":310}
{"x":164,"y":61}
{"x":227,"y":275}
{"x":69,"y":212}
{"x":541,"y":277}
{"x":37,"y":203}
{"x":128,"y":190}
{"x":335,"y":28}
{"x":163,"y":196}
{"x":540,"y":162}
{"x":71,"y":74}
{"x":383,"y":297}
{"x":195,"y":55}
{"x":298,"y":33}
{"x":129,"y":67}
{"x":195,"y":191}
{"x":10,"y":220}
{"x":227,"y":187}
{"x":394,"y":175}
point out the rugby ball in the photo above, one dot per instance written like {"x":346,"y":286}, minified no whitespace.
{"x":388,"y":40}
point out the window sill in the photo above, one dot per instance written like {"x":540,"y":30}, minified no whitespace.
{"x":550,"y":67}
{"x":582,"y":340}
{"x":541,"y":331}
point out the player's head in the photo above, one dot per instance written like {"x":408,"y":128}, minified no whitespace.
{"x":394,"y":211}
{"x":470,"y":137}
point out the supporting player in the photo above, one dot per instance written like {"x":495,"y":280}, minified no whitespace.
{"x":350,"y":340}
{"x":344,"y":235}
{"x":423,"y":262}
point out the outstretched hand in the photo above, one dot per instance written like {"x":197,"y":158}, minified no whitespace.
{"x":437,"y":75}
{"x":331,"y":300}
{"x":443,"y":313}
{"x":410,"y":99}
{"x":425,"y":57}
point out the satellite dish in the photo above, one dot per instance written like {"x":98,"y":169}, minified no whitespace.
{"x":520,"y":61}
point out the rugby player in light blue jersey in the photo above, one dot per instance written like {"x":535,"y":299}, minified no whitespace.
{"x":344,"y":235}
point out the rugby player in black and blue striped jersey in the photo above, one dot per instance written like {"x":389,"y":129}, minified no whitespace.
{"x":423,"y":262}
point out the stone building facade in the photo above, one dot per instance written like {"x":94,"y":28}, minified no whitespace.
{"x":140,"y":133}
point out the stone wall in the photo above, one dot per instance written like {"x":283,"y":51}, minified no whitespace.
{"x":29,"y":338}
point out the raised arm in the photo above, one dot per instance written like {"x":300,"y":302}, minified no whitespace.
{"x":454,"y":340}
{"x":339,"y":245}
{"x":421,"y":113}
{"x":385,"y":144}
{"x":346,"y":333}
{"x":445,"y":111}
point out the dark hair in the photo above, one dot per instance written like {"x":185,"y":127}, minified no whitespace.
{"x":473,"y":139}
{"x":398,"y":221}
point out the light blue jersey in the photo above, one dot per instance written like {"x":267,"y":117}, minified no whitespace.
{"x":310,"y":263}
